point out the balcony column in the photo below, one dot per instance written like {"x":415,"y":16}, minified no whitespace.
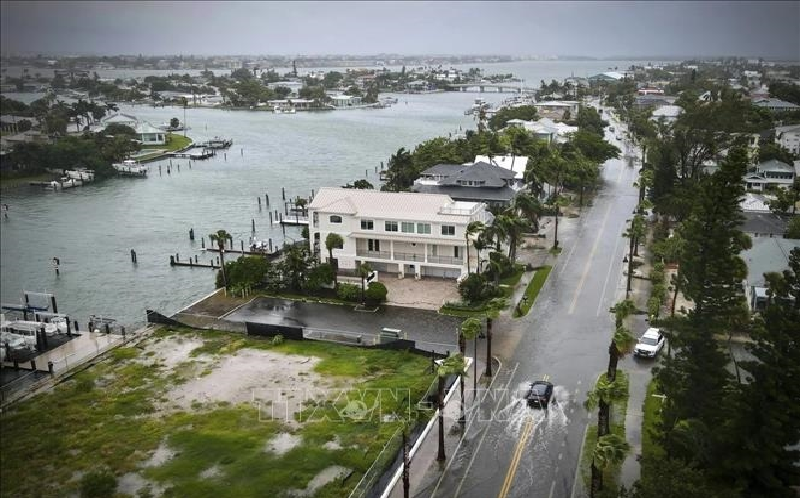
{"x":426,"y":252}
{"x":391,"y":249}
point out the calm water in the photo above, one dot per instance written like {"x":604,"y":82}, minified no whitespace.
{"x":92,"y":229}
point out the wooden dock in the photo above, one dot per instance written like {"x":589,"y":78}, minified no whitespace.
{"x":192,"y":264}
{"x":196,"y":156}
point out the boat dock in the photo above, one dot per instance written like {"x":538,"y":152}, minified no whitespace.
{"x":216,"y":143}
{"x":130,"y":168}
{"x":197,"y":156}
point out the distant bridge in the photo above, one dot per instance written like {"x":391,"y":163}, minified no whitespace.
{"x":498,"y":87}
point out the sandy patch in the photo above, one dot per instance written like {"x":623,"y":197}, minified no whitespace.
{"x":132,"y":482}
{"x":211,"y":472}
{"x":278,"y":384}
{"x":160,"y":456}
{"x":172,"y":351}
{"x":325,"y":476}
{"x":283,"y":442}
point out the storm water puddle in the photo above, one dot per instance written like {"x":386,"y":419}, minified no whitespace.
{"x":325,"y":476}
{"x":283,"y":443}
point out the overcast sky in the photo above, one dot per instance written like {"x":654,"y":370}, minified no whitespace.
{"x":590,"y":28}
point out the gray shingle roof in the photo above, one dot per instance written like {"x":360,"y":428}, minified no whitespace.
{"x":764,"y":223}
{"x":494,"y":176}
{"x":775,"y":165}
{"x":767,"y":255}
{"x":470,"y":194}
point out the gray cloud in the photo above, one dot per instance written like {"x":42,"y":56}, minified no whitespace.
{"x":575,"y":28}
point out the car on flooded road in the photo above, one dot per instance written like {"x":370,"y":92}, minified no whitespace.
{"x":539,"y":394}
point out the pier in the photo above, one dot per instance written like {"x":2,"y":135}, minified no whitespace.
{"x":498,"y":87}
{"x":192,"y":264}
{"x":197,"y":156}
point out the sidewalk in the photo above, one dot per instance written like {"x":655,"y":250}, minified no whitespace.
{"x":425,"y":471}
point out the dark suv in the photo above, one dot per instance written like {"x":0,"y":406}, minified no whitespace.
{"x":539,"y":394}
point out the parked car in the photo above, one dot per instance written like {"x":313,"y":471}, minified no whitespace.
{"x":649,"y":344}
{"x":539,"y":394}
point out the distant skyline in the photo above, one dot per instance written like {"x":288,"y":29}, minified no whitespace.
{"x":595,"y":29}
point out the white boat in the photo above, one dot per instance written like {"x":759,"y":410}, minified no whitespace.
{"x":70,"y":182}
{"x":84,"y":175}
{"x":130,"y":167}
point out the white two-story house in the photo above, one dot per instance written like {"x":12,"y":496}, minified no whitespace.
{"x":398,"y":233}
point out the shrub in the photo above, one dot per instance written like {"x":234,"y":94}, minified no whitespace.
{"x":653,"y":307}
{"x":320,"y":275}
{"x":501,"y":263}
{"x":471,"y":288}
{"x":348,"y":292}
{"x":246,"y":271}
{"x":98,"y":484}
{"x":659,"y":292}
{"x":376,"y":293}
{"x":277,"y":340}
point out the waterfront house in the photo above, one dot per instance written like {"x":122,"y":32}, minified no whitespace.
{"x":149,"y":134}
{"x":606,"y":77}
{"x":765,"y":256}
{"x":345,"y":100}
{"x":544,"y":129}
{"x":119,"y":118}
{"x":12,"y":123}
{"x":478,"y":182}
{"x":770,"y":174}
{"x":395,"y":232}
{"x":26,"y":137}
{"x":788,"y":137}
{"x":776,"y":105}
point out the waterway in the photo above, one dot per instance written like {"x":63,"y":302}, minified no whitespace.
{"x":92,"y":229}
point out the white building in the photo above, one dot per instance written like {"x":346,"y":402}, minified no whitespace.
{"x":400,"y":233}
{"x":668,"y":113}
{"x":345,"y":100}
{"x":150,"y":135}
{"x":788,"y":137}
{"x":119,"y":118}
{"x":558,"y":108}
{"x":770,"y":174}
{"x":517,"y":164}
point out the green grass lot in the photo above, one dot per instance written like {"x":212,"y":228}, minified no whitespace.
{"x":11,"y":181}
{"x":106,"y":419}
{"x":611,"y":473}
{"x":651,"y":420}
{"x":534,"y":286}
{"x":174,"y":142}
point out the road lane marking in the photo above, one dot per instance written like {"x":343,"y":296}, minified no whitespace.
{"x":610,"y":266}
{"x":512,"y":468}
{"x":552,"y":488}
{"x":600,"y":235}
{"x":477,"y":448}
{"x":578,"y":465}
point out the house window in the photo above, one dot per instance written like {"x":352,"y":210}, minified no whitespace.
{"x":390,"y":226}
{"x":367,"y":225}
{"x":407,"y":227}
{"x":335,"y":218}
{"x":373,"y":245}
{"x":434,"y":250}
{"x":316,"y":219}
{"x":423,"y":228}
{"x":448,"y":230}
{"x":455,"y":251}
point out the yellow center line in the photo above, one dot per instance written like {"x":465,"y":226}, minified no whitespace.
{"x":512,"y":468}
{"x":589,"y":261}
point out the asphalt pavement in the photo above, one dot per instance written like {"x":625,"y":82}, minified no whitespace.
{"x":519,"y":452}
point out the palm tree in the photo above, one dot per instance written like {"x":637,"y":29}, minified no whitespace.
{"x":635,"y":231}
{"x":494,"y":307}
{"x":363,"y":271}
{"x":472,"y":228}
{"x":470,"y":329}
{"x":333,"y":241}
{"x":450,"y":366}
{"x":603,"y":394}
{"x":480,"y":244}
{"x":559,"y":201}
{"x":621,"y":343}
{"x":623,"y":310}
{"x":530,"y":207}
{"x":610,"y":449}
{"x":512,"y":226}
{"x":220,"y":237}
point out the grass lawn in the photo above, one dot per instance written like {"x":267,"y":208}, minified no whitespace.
{"x":174,"y":142}
{"x":11,"y":182}
{"x":534,"y":286}
{"x":113,"y":416}
{"x":555,"y":251}
{"x":513,"y":279}
{"x":611,"y":473}
{"x":652,"y":418}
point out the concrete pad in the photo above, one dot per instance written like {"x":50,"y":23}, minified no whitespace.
{"x":426,"y":294}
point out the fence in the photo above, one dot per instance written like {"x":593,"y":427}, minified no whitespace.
{"x":379,"y":475}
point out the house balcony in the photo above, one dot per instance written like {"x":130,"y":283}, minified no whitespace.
{"x":410,"y":257}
